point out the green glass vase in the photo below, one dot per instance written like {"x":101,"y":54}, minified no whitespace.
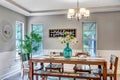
{"x":67,"y":53}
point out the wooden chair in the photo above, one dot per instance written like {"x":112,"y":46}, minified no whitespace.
{"x":25,"y":67}
{"x":112,"y":71}
{"x":79,"y":67}
{"x":55,"y":66}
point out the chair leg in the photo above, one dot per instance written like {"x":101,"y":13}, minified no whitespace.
{"x":110,"y":78}
{"x":28,"y":77}
{"x":101,"y":78}
{"x":22,"y":75}
{"x":36,"y":77}
{"x":45,"y":69}
{"x":75,"y":72}
{"x":59,"y":78}
{"x":62,"y":69}
{"x":59,"y":70}
{"x":115,"y":78}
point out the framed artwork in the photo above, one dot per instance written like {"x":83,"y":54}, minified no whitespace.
{"x":6,"y":30}
{"x":60,"y":32}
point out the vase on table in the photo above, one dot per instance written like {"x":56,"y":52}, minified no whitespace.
{"x":67,"y":53}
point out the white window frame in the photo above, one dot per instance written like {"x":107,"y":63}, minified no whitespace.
{"x":95,"y":39}
{"x":42,"y":35}
{"x":17,"y":51}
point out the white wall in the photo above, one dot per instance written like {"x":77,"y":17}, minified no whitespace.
{"x":8,"y":64}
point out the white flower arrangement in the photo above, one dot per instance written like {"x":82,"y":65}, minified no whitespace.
{"x":69,"y":38}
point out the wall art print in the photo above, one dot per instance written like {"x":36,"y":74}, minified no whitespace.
{"x":6,"y":31}
{"x":60,"y":32}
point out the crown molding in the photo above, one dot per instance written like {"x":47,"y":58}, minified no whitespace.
{"x":10,"y":4}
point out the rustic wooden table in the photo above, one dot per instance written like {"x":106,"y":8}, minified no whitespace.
{"x":74,"y":60}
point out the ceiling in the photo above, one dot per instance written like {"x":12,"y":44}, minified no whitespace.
{"x":53,"y":7}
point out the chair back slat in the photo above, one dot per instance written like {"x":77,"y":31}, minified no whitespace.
{"x":57,"y":53}
{"x":55,"y":66}
{"x":81,"y":53}
{"x":114,"y":63}
{"x":24,"y":57}
{"x":23,"y":60}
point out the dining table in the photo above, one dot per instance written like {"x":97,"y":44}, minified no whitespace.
{"x":101,"y":62}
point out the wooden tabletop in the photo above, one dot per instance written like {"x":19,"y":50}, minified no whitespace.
{"x":73,"y":60}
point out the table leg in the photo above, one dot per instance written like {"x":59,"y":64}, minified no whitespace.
{"x":31,"y":69}
{"x":105,"y":71}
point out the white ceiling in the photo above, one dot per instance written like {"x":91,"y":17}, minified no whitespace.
{"x":52,"y":7}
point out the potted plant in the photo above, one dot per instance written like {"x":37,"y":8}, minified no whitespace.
{"x":31,"y":43}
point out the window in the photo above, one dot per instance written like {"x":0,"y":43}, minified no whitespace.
{"x":19,"y":35}
{"x":38,"y":28}
{"x":89,"y":38}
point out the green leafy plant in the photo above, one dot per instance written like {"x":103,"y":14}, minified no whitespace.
{"x":31,"y":43}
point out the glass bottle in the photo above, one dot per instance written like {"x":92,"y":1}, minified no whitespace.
{"x":67,"y":53}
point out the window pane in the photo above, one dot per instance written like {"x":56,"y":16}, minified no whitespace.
{"x":89,"y":44}
{"x":38,"y":28}
{"x":89,"y":35}
{"x":89,"y":38}
{"x":89,"y":26}
{"x":90,"y":51}
{"x":18,"y":45}
{"x":18,"y":35}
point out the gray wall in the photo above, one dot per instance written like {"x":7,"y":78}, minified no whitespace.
{"x":7,"y":15}
{"x":7,"y":48}
{"x":108,"y":30}
{"x":54,"y":22}
{"x":108,"y":26}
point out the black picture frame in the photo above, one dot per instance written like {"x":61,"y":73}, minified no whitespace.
{"x":53,"y":33}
